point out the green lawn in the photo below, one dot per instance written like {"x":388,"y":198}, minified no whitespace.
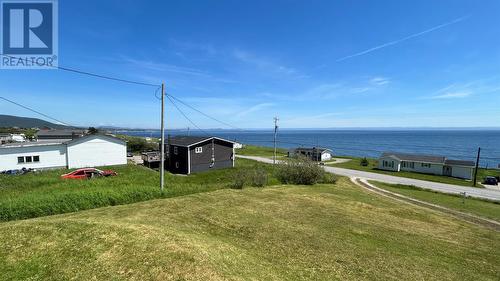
{"x":45,"y":193}
{"x":354,"y":164}
{"x":323,"y":232}
{"x":252,"y":150}
{"x":478,"y":207}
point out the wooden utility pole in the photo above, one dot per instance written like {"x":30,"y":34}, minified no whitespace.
{"x":162,"y":147}
{"x":477,"y":165}
{"x":275,"y":135}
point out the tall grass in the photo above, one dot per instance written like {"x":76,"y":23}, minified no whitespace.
{"x":45,"y":193}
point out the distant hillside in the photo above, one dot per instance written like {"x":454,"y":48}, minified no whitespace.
{"x":25,"y":122}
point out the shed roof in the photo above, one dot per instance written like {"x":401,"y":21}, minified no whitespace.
{"x":192,"y":140}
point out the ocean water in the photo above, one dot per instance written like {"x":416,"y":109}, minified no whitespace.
{"x":454,"y":144}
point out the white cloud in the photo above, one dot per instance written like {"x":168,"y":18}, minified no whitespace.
{"x":262,"y":63}
{"x":452,"y":95}
{"x":379,"y":81}
{"x":255,"y":108}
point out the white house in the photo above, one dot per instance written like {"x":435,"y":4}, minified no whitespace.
{"x":87,"y":151}
{"x":426,"y":164}
{"x":313,"y":153}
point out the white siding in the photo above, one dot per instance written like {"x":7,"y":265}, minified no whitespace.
{"x":434,"y":169}
{"x":51,"y":156}
{"x":326,"y":156}
{"x":462,"y":172}
{"x":96,"y":151}
{"x":393,"y":164}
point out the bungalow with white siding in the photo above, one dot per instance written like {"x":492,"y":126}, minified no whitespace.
{"x":87,"y":151}
{"x":426,"y":164}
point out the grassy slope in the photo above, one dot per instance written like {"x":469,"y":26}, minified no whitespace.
{"x":283,"y":233}
{"x":253,"y":150}
{"x":474,"y":206}
{"x":35,"y":195}
{"x":354,"y":164}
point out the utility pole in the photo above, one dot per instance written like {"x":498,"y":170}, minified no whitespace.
{"x":162,"y":147}
{"x":477,"y":165}
{"x":275,"y":134}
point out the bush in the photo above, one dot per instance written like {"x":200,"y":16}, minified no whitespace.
{"x":299,"y":171}
{"x":258,"y":178}
{"x":329,"y":178}
{"x":238,"y":179}
{"x":364,"y":162}
{"x":255,"y":177}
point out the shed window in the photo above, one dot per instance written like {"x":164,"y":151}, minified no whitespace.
{"x":426,"y":165}
{"x":176,"y":151}
{"x":198,"y":149}
{"x":29,"y":159}
{"x":20,"y":160}
{"x":36,"y":158}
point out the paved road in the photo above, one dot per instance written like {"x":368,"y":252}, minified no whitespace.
{"x":441,"y":187}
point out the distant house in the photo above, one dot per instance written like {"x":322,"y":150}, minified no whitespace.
{"x":5,"y":138}
{"x":191,"y":154}
{"x":60,"y":134}
{"x":426,"y":164}
{"x":86,"y":151}
{"x":313,"y":153}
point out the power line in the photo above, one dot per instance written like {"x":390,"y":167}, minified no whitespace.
{"x":92,"y":74}
{"x":36,"y":111}
{"x":201,"y":112}
{"x":185,"y":116}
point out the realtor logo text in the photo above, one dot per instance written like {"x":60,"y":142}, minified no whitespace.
{"x":29,"y":34}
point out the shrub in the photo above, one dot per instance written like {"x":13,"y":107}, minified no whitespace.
{"x":329,"y":178}
{"x":238,"y":179}
{"x":258,"y":177}
{"x":299,"y":171}
{"x":364,"y":162}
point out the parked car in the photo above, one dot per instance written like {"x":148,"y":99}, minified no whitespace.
{"x":88,"y":173}
{"x":22,"y":171}
{"x":490,"y":181}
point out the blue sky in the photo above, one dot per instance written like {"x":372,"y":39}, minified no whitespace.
{"x":315,"y":64}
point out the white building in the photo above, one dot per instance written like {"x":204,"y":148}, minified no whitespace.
{"x":87,"y":151}
{"x":18,"y":137}
{"x":426,"y":164}
{"x":313,"y":153}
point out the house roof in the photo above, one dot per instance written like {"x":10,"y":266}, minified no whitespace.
{"x":428,"y":159}
{"x":416,"y":157}
{"x":320,"y":149}
{"x":59,"y":132}
{"x":192,"y":140}
{"x":53,"y":142}
{"x":460,"y":163}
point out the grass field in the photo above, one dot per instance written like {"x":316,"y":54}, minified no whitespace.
{"x":477,"y":207}
{"x":45,"y":193}
{"x":354,"y":164}
{"x":253,"y":150}
{"x":322,"y":232}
